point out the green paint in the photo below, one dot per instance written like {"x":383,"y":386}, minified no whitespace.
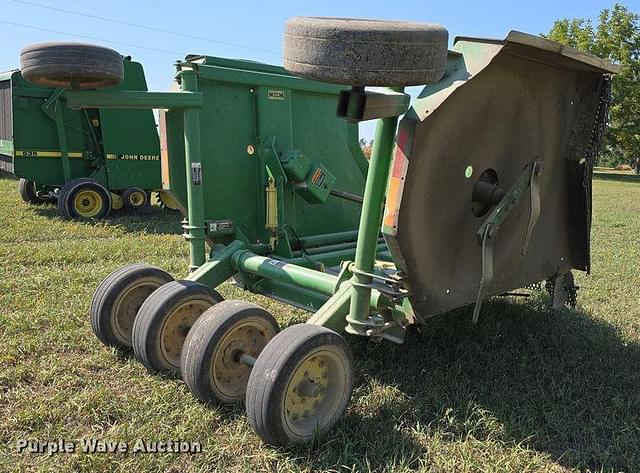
{"x":237,"y":112}
{"x":370,"y":220}
{"x":42,"y":121}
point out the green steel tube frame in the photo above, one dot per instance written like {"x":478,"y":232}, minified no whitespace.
{"x":370,"y":220}
{"x":189,"y":100}
{"x":351,"y":300}
{"x":352,"y":296}
{"x":62,"y":141}
{"x":196,"y":230}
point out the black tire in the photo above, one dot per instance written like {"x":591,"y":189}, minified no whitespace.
{"x":135,"y":198}
{"x":164,"y":320}
{"x":71,"y":65}
{"x":71,"y":202}
{"x":365,"y":52}
{"x":118,"y":299}
{"x":27,"y":190}
{"x":293,"y":352}
{"x":210,"y":363}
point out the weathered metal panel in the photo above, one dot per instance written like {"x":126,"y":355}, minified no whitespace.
{"x":502,"y":106}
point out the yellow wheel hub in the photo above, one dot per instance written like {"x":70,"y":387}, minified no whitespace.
{"x":177,"y":326}
{"x":87,"y":203}
{"x":136,"y":199}
{"x":126,"y":306}
{"x":228,"y":375}
{"x":313,"y":392}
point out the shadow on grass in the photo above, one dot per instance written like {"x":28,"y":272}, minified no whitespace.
{"x":562,"y":383}
{"x":610,"y":176}
{"x":152,"y":219}
{"x":149,"y":220}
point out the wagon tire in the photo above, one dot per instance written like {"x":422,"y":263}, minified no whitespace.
{"x":135,"y":198}
{"x":210,"y":362}
{"x":117,"y":300}
{"x":27,"y":190}
{"x":365,"y":52}
{"x":300,"y":385}
{"x":165,"y":318}
{"x":71,"y":65}
{"x":84,"y":198}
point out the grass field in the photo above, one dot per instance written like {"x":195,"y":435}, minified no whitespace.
{"x":525,"y":390}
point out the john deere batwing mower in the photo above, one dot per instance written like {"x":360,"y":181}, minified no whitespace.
{"x":91,"y":160}
{"x":484,"y":187}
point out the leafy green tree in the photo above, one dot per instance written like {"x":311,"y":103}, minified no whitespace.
{"x":617,"y":38}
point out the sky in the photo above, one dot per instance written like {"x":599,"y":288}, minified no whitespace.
{"x":252,"y":30}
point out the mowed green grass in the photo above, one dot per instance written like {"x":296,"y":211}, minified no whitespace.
{"x":525,"y":390}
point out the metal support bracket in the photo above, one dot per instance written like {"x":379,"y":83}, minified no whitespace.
{"x":52,"y":107}
{"x":490,"y":227}
{"x":358,"y":104}
{"x":487,"y":271}
{"x":534,"y":194}
{"x":219,"y":268}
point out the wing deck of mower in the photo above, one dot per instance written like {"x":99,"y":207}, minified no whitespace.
{"x":501,"y":106}
{"x":490,"y":190}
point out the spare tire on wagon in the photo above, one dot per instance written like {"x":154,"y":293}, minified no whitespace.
{"x":71,"y":65}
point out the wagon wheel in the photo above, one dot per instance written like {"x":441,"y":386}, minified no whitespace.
{"x":164,"y":320}
{"x":71,"y":65}
{"x":135,"y":198}
{"x":212,"y":362}
{"x":83,"y":199}
{"x":300,"y":385}
{"x":365,"y":52}
{"x":28,"y":190}
{"x":118,"y":298}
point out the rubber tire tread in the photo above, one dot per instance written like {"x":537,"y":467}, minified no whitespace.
{"x":71,"y":65}
{"x":63,"y":196}
{"x":206,"y":333}
{"x":105,"y":294}
{"x":280,"y":356}
{"x":365,"y":52}
{"x":148,"y":323}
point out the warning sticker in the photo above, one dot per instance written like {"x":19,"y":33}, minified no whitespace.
{"x":275,"y":94}
{"x":318,"y":177}
{"x":196,"y":174}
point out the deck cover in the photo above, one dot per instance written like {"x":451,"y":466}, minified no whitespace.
{"x":500,"y":106}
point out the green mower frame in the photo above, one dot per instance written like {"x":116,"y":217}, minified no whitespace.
{"x":297,"y":382}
